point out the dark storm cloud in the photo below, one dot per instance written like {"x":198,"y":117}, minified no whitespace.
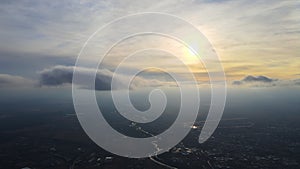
{"x":7,"y":80}
{"x":56,"y":76}
{"x":62,"y":75}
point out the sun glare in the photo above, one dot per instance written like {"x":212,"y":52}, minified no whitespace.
{"x":190,"y":57}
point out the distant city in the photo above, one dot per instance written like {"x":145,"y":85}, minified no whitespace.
{"x":54,"y":139}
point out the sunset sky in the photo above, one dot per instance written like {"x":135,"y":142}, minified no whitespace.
{"x":257,"y":41}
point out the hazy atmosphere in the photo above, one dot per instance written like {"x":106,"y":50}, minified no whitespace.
{"x":243,"y":89}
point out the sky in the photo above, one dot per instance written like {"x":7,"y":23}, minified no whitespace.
{"x":256,"y":41}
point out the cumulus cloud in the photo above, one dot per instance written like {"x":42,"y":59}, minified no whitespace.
{"x":264,"y":81}
{"x":62,"y":75}
{"x":256,"y":80}
{"x":7,"y":80}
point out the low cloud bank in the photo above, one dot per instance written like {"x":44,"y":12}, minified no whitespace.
{"x":62,"y":75}
{"x":254,"y":80}
{"x":264,"y":81}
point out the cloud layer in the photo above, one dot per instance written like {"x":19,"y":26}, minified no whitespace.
{"x":264,"y":30}
{"x":7,"y":80}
